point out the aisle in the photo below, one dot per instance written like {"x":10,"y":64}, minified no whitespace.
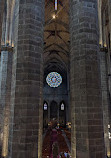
{"x":46,"y":144}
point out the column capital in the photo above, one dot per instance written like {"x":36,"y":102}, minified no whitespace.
{"x":103,"y":49}
{"x":7,"y":48}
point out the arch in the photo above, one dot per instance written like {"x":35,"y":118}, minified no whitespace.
{"x":45,"y":105}
{"x":62,"y":102}
{"x":53,"y":110}
{"x":62,"y":114}
{"x":58,"y":46}
{"x":45,"y":114}
{"x":65,"y":25}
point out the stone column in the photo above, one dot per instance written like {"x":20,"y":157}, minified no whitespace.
{"x":1,"y":19}
{"x":86,"y":106}
{"x":12,"y":22}
{"x":68,"y":107}
{"x":109,"y":52}
{"x":48,"y":112}
{"x":5,"y":92}
{"x":27,"y":81}
{"x":58,"y":112}
{"x":104,"y":29}
{"x":105,"y":98}
{"x":0,"y":114}
{"x":3,"y":29}
{"x":8,"y":23}
{"x":100,"y":22}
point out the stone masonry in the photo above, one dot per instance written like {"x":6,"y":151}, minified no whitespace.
{"x":26,"y":110}
{"x":1,"y":18}
{"x":105,"y":98}
{"x":5,"y":91}
{"x":87,"y":120}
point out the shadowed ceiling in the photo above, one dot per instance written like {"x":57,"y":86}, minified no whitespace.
{"x":56,"y":36}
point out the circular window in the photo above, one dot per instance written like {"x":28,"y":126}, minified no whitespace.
{"x":54,"y":79}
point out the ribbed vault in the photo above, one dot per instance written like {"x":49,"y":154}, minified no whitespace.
{"x":56,"y":36}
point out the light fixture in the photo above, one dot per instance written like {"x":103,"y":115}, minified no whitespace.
{"x":53,"y":16}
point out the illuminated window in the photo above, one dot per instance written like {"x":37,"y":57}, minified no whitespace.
{"x":45,"y":106}
{"x":54,"y":79}
{"x":62,"y":106}
{"x":55,"y":4}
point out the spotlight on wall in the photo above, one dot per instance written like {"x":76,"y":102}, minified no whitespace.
{"x":53,"y":16}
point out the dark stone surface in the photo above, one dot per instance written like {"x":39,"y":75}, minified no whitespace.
{"x":27,"y":82}
{"x":87,"y":121}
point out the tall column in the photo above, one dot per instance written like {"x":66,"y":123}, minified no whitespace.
{"x":109,"y":52}
{"x":0,"y":114}
{"x":105,"y":99}
{"x":8,"y":22}
{"x":12,"y":22}
{"x":104,"y":29}
{"x":86,"y":106}
{"x":48,"y":113}
{"x":27,"y":81}
{"x":100,"y":22}
{"x":5,"y":89}
{"x":1,"y":19}
{"x":5,"y":82}
{"x":68,"y":107}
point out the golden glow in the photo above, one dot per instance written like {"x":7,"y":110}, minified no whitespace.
{"x":54,"y":16}
{"x":69,"y":124}
{"x":101,"y":43}
{"x":105,"y":45}
{"x":108,"y":154}
{"x":12,"y":44}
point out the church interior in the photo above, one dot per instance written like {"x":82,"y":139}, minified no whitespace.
{"x":55,"y":78}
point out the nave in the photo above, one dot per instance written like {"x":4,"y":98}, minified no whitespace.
{"x":64,"y":141}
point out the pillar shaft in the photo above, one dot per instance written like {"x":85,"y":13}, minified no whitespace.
{"x":105,"y":99}
{"x":26,"y":99}
{"x":100,"y":22}
{"x":8,"y":22}
{"x":11,"y":36}
{"x":109,"y":51}
{"x":5,"y":92}
{"x":86,"y":107}
{"x":48,"y":113}
{"x":1,"y":19}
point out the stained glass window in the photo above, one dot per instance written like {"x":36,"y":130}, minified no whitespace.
{"x":45,"y":106}
{"x":62,"y":106}
{"x":55,"y":4}
{"x":54,"y":79}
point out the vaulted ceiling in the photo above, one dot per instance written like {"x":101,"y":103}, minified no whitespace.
{"x":56,"y":36}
